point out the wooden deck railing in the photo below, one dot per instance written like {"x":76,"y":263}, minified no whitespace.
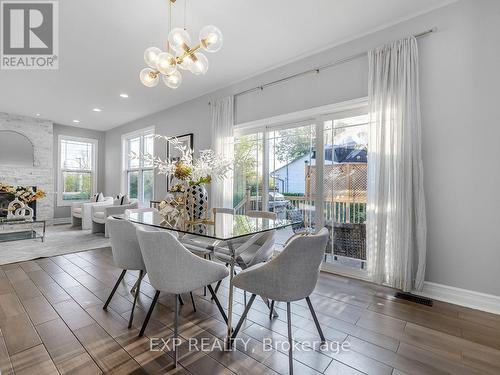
{"x":335,"y":209}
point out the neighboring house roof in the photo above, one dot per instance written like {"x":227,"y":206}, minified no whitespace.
{"x":345,"y":153}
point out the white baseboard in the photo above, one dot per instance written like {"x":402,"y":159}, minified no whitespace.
{"x":61,"y":220}
{"x":463,"y":297}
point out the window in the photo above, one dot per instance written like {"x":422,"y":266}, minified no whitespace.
{"x":309,"y":166}
{"x":77,"y":169}
{"x":138,"y":174}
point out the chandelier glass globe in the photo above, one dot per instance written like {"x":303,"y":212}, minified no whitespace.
{"x":151,"y":56}
{"x":173,"y":80}
{"x":149,"y":77}
{"x":211,"y":38}
{"x":200,"y":65}
{"x":180,"y":54}
{"x":179,"y":40}
{"x":186,"y":62}
{"x":166,"y":63}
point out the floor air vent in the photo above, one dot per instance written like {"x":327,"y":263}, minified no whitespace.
{"x":414,"y":298}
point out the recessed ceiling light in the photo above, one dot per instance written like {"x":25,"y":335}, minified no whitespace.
{"x":97,"y":110}
{"x":76,"y":121}
{"x":123,"y":95}
{"x":37,"y":115}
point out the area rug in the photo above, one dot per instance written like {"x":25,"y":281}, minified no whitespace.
{"x":59,"y":239}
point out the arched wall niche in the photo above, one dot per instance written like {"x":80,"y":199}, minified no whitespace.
{"x":16,"y":149}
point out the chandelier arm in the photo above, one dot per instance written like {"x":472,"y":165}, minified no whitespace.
{"x":189,"y":52}
{"x":164,"y":64}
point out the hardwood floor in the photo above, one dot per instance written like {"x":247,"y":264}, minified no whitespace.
{"x":51,"y":321}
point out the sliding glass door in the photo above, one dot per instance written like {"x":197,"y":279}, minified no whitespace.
{"x":345,"y":144}
{"x":312,"y":171}
{"x":248,"y":172}
{"x":291,"y":152}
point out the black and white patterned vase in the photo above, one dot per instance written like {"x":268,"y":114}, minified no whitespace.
{"x":197,"y":202}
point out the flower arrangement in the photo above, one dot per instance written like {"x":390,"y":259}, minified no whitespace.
{"x":186,"y":169}
{"x":187,"y":199}
{"x":25,"y":194}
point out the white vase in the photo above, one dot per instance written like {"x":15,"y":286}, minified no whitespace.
{"x":25,"y":213}
{"x":15,"y":206}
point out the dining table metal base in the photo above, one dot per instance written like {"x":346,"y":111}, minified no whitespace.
{"x":229,"y":340}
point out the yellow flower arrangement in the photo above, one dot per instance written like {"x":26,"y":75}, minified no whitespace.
{"x":182,"y":171}
{"x":25,"y":194}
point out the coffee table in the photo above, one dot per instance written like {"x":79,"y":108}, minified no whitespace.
{"x":15,"y":230}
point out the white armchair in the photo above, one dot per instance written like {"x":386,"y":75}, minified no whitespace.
{"x":81,"y":213}
{"x":100,"y":213}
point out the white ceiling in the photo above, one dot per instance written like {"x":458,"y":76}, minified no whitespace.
{"x":102,"y":45}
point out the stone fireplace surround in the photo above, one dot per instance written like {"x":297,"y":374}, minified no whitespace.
{"x":41,"y":175}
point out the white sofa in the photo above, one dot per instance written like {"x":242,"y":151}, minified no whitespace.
{"x":100,"y":213}
{"x":81,"y":213}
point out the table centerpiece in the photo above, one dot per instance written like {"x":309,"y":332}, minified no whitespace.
{"x":188,"y":196}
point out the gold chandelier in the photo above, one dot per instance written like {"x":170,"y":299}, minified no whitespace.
{"x":179,"y":54}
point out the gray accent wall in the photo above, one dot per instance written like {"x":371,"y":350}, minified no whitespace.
{"x":65,"y":211}
{"x":191,"y":117}
{"x":459,"y":80}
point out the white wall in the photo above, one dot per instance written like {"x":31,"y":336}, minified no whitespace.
{"x":461,"y":133}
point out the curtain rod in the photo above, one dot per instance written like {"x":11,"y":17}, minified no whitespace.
{"x":320,"y":68}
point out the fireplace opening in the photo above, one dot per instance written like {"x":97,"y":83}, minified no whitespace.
{"x":6,"y":198}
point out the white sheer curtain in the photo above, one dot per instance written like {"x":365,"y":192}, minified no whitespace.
{"x":222,"y":112}
{"x":396,"y":227}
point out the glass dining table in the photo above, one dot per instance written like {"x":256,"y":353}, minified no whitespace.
{"x":226,"y":231}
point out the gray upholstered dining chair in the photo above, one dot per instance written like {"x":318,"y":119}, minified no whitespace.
{"x":204,"y":246}
{"x":252,"y":252}
{"x":174,"y":269}
{"x":262,"y":250}
{"x":130,"y":211}
{"x":126,"y":255}
{"x":256,"y":251}
{"x":290,"y":276}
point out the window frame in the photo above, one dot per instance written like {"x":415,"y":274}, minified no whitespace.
{"x":126,"y":169}
{"x":316,"y":116}
{"x":94,"y":168}
{"x":313,"y":116}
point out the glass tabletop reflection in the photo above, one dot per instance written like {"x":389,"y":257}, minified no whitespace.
{"x":225,"y":226}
